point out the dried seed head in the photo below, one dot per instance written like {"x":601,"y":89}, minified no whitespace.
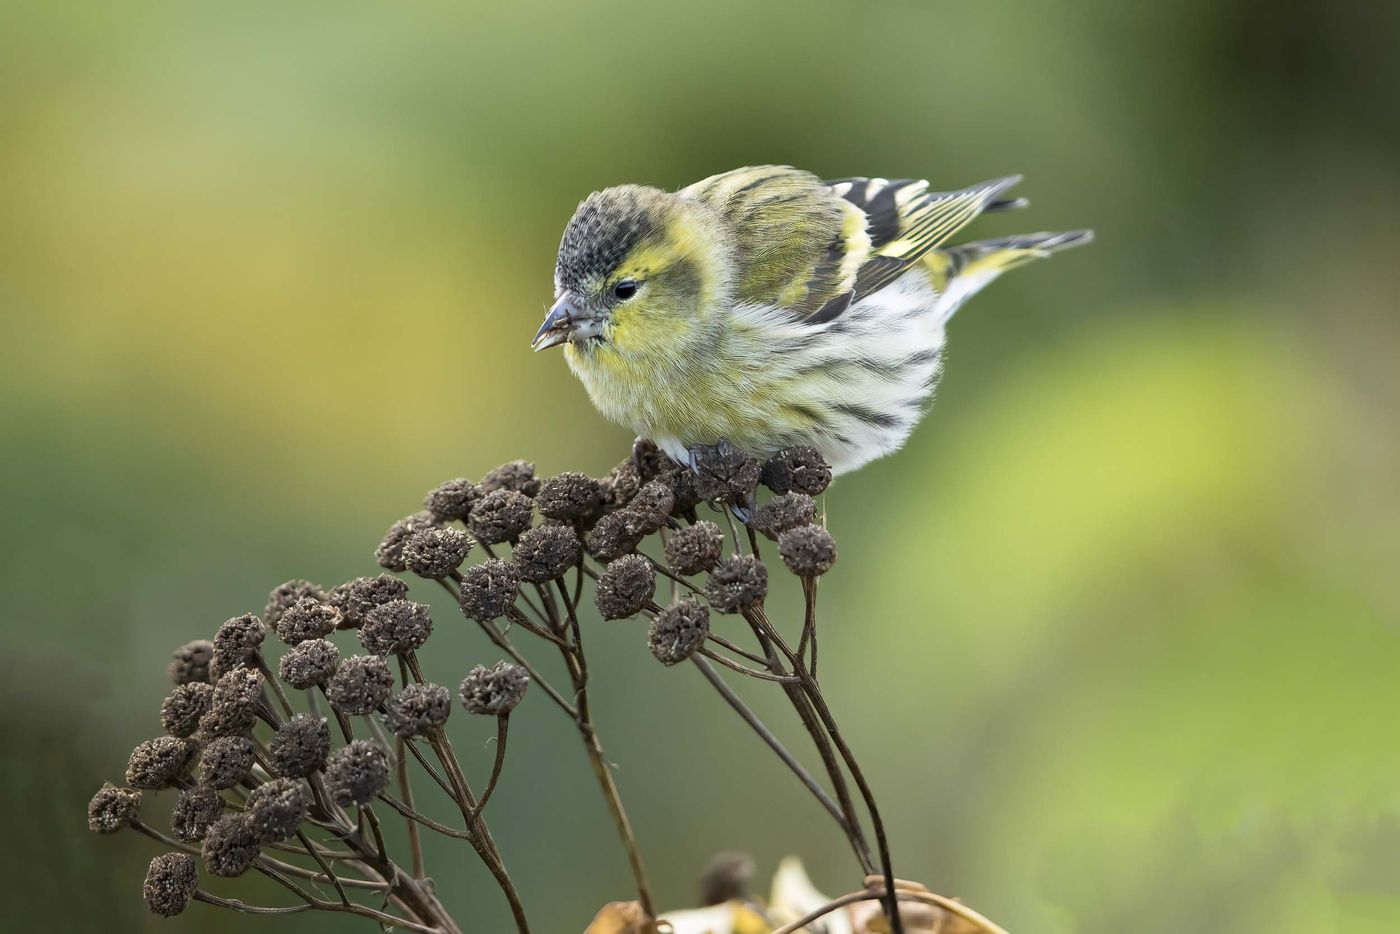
{"x":360,"y":685}
{"x":798,"y":468}
{"x":418,"y":708}
{"x":389,"y":554}
{"x":494,"y":691}
{"x":737,"y":583}
{"x":726,"y":878}
{"x":226,"y":720}
{"x":157,"y":762}
{"x":808,"y":550}
{"x":356,"y":598}
{"x":626,"y":585}
{"x":435,"y":553}
{"x":357,"y":772}
{"x":170,"y":883}
{"x":614,"y":536}
{"x":226,"y":761}
{"x":308,"y":618}
{"x":237,"y":640}
{"x":500,"y":516}
{"x":300,"y":746}
{"x":396,"y":627}
{"x":195,"y":811}
{"x":113,"y":808}
{"x":678,"y":631}
{"x":724,"y":473}
{"x":230,"y":846}
{"x":517,"y":476}
{"x":649,"y":459}
{"x":695,"y":548}
{"x":275,"y":809}
{"x":190,"y":662}
{"x":650,"y":508}
{"x":287,"y":595}
{"x":489,"y":590}
{"x":545,"y":553}
{"x":683,"y":489}
{"x":452,"y":499}
{"x":570,"y":497}
{"x":309,"y":663}
{"x":784,"y":512}
{"x":239,"y":689}
{"x":620,"y":485}
{"x":182,"y":707}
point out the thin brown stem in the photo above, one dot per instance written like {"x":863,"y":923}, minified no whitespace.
{"x":234,"y":904}
{"x":869,"y":895}
{"x":664,"y":571}
{"x":272,"y":680}
{"x":524,"y":622}
{"x":367,"y":814}
{"x":428,"y":767}
{"x":502,"y":727}
{"x":730,"y":646}
{"x":577,"y":664}
{"x":814,"y":694}
{"x":325,"y":866}
{"x":765,"y":734}
{"x":415,"y":818}
{"x":744,"y":670}
{"x":480,"y":836}
{"x":348,"y":907}
{"x":798,"y":698}
{"x":415,"y":840}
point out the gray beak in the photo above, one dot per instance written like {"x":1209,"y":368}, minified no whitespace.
{"x":560,"y":324}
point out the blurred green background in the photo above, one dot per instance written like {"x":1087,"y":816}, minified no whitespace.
{"x":1116,"y":635}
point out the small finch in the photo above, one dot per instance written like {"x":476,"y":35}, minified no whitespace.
{"x":768,"y":308}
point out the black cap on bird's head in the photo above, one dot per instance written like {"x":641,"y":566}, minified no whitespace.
{"x":609,"y":227}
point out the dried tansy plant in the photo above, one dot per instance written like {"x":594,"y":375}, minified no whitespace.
{"x":288,"y":767}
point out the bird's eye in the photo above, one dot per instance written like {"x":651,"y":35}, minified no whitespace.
{"x":625,"y":289}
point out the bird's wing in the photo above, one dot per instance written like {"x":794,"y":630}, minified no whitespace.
{"x":957,"y":273}
{"x":817,"y":247}
{"x":906,"y":221}
{"x":797,"y":244}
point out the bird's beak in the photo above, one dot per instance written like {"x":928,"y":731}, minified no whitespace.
{"x":560,"y":324}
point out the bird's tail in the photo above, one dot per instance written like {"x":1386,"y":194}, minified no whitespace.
{"x":962,"y":271}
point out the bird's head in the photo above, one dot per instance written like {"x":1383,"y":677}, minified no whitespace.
{"x":637,"y":267}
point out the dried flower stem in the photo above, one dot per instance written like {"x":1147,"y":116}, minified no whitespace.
{"x":356,"y":909}
{"x":416,"y":817}
{"x":502,"y":728}
{"x":578,"y":671}
{"x":774,"y":744}
{"x":797,"y":697}
{"x":415,"y":839}
{"x":809,"y":623}
{"x":872,"y":894}
{"x":814,"y":694}
{"x":235,"y":905}
{"x":750,"y":672}
{"x":731,"y":647}
{"x":325,"y":866}
{"x":478,"y":834}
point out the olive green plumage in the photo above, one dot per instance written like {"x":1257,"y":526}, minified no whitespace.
{"x":767,"y":307}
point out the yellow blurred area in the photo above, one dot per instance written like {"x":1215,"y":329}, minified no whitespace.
{"x":1114,"y":636}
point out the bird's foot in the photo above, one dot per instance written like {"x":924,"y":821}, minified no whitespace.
{"x":726,"y":475}
{"x":649,"y":459}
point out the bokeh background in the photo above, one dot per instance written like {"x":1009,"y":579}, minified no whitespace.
{"x":1116,"y":635}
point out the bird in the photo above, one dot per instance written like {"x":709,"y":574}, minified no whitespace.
{"x":766,"y":308}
